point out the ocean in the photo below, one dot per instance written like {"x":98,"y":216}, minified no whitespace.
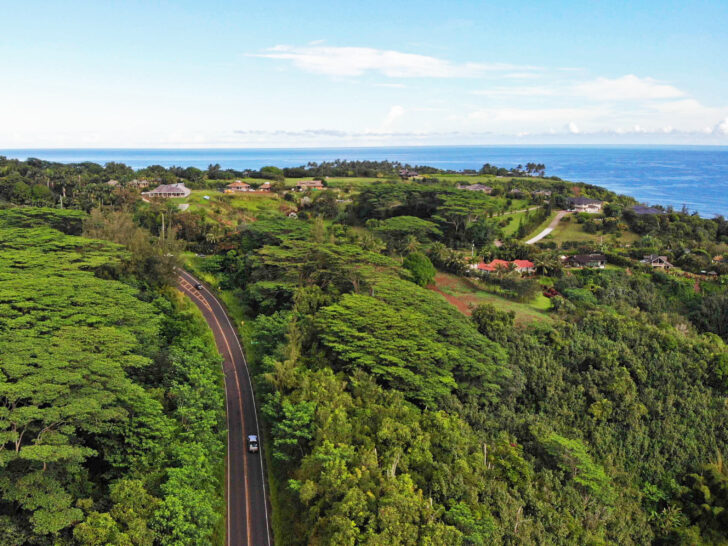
{"x":692,"y":176}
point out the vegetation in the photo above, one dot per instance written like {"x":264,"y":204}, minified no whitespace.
{"x":111,"y":409}
{"x":407,"y":397}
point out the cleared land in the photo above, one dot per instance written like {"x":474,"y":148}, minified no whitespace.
{"x":465,"y":294}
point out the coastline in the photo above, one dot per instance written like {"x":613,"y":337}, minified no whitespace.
{"x":677,"y":176}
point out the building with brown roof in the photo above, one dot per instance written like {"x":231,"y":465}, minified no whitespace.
{"x":168,"y":191}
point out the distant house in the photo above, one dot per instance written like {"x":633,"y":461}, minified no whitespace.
{"x":264,"y":187}
{"x":585,"y":204}
{"x":238,"y":186}
{"x":656,"y":261}
{"x":167,"y":191}
{"x":521,"y":266}
{"x":541,"y":193}
{"x":644,"y":211}
{"x":310,"y":185}
{"x":112,"y":183}
{"x":406,"y":173}
{"x":718,"y":259}
{"x":587,"y":260}
{"x":138,"y":183}
{"x":515,"y":192}
{"x":476,"y":187}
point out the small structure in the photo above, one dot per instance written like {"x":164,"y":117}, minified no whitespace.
{"x":476,"y":187}
{"x":641,"y":210}
{"x":541,"y":193}
{"x":237,"y":187}
{"x":654,"y":260}
{"x":587,"y":260}
{"x":315,"y":185}
{"x":585,"y":204}
{"x":112,"y":183}
{"x":521,"y":266}
{"x":168,"y":191}
{"x":718,"y":259}
{"x":405,"y":174}
{"x":265,"y":186}
{"x":515,"y":192}
{"x":138,"y":183}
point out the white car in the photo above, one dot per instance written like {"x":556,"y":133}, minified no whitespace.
{"x":253,"y":443}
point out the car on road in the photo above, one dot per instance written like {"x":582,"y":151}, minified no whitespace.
{"x":253,"y":443}
{"x":198,"y":286}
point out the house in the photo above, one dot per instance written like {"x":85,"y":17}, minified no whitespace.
{"x":265,"y":186}
{"x":656,"y":261}
{"x":406,"y":173}
{"x":585,"y":204}
{"x":139,"y":183}
{"x":645,"y":211}
{"x":167,"y":191}
{"x":476,"y":187}
{"x":515,"y":192}
{"x":718,"y":259}
{"x":310,"y":185}
{"x":541,"y":193}
{"x":524,"y":266}
{"x":112,"y":183}
{"x":238,"y":186}
{"x":587,"y":260}
{"x":521,"y":266}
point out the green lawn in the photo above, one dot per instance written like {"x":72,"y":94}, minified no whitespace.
{"x":570,"y":230}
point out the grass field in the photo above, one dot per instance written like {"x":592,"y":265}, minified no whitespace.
{"x":570,"y":230}
{"x":465,"y":294}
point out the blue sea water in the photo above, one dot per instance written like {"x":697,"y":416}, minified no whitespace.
{"x":691,"y":176}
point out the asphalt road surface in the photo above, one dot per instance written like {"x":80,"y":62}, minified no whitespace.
{"x":247,"y":503}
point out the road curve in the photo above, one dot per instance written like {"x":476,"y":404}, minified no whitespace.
{"x":550,"y":228}
{"x":247,"y":503}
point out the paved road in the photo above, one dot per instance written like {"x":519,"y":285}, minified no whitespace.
{"x":550,"y":227}
{"x":247,"y":505}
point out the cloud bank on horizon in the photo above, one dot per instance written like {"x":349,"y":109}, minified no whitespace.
{"x":448,"y":82}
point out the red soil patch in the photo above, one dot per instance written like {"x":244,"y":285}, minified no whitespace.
{"x":461,"y":305}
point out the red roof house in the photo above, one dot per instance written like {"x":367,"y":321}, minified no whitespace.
{"x":522,"y":266}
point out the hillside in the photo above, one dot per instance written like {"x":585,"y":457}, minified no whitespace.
{"x":425,"y":376}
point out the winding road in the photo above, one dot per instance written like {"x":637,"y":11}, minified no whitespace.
{"x":247,"y":503}
{"x":550,"y":228}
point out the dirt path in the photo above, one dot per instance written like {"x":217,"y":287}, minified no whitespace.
{"x":549,"y":229}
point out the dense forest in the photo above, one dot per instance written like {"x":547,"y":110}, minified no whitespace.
{"x":111,"y":401}
{"x":392,"y":416}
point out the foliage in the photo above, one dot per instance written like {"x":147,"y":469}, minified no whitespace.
{"x":110,"y":399}
{"x":423,"y":272}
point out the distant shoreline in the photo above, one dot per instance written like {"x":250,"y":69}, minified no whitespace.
{"x":671,"y":175}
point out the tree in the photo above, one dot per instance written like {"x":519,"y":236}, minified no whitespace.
{"x":423,"y":272}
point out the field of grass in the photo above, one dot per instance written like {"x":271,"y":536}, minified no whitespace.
{"x":515,"y":221}
{"x":465,"y":293}
{"x":570,"y":230}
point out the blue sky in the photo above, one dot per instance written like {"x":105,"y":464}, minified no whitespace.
{"x":224,"y":73}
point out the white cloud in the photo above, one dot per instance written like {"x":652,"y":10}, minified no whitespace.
{"x":534,"y":91}
{"x":721,"y":128}
{"x":392,"y":85}
{"x":395,"y":112}
{"x":572,"y":128}
{"x":629,"y":87}
{"x":532,"y":115}
{"x":355,"y":61}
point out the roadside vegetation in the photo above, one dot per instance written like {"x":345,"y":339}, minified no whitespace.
{"x":111,"y":401}
{"x":408,"y":395}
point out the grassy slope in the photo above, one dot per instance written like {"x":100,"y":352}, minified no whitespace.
{"x":570,"y":230}
{"x":463,"y":292}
